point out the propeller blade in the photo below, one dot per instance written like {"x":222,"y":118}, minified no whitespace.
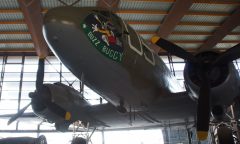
{"x":203,"y":109}
{"x":19,"y":114}
{"x":40,"y":74}
{"x":228,"y":56}
{"x":26,"y":115}
{"x":173,"y":49}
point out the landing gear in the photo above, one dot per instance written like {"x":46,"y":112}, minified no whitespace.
{"x":226,"y":131}
{"x":225,"y":135}
{"x":79,"y":140}
{"x":121,"y":107}
{"x":82,"y":133}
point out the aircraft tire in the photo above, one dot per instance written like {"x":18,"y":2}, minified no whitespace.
{"x":79,"y":140}
{"x":225,"y":135}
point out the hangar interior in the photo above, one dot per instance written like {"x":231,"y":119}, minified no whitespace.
{"x":198,"y":25}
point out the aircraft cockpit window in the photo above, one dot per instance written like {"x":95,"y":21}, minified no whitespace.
{"x":133,"y":39}
{"x":104,"y":13}
{"x":148,"y":54}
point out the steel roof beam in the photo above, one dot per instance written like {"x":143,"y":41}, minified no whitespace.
{"x":108,"y":4}
{"x":33,"y":17}
{"x":227,"y":26}
{"x":179,"y":9}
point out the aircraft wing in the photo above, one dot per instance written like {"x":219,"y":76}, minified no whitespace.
{"x":172,"y":110}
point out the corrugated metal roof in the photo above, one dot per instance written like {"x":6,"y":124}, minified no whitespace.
{"x":224,"y":45}
{"x":237,"y":29}
{"x":9,"y":4}
{"x":146,"y":36}
{"x":204,"y":7}
{"x":187,"y":37}
{"x":138,"y":27}
{"x":13,"y":27}
{"x":232,"y":37}
{"x":194,"y":28}
{"x":6,"y":37}
{"x":189,"y":45}
{"x":16,"y":46}
{"x":11,"y":16}
{"x":56,"y":3}
{"x":143,"y":5}
{"x":141,"y":17}
{"x":202,"y":18}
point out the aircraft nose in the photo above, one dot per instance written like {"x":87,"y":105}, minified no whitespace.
{"x":65,"y":15}
{"x":60,"y":23}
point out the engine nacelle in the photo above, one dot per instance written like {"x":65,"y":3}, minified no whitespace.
{"x":55,"y":98}
{"x":224,"y":80}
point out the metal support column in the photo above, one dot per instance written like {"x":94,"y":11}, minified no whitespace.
{"x":20,"y":83}
{"x":166,"y":134}
{"x":103,"y":137}
{"x":234,"y":123}
{"x":171,"y":64}
{"x":2,"y":74}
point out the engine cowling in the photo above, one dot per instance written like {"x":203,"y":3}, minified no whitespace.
{"x":224,"y":82}
{"x":54,"y":101}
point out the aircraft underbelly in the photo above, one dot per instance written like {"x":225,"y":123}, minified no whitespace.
{"x":109,"y":115}
{"x":108,"y":78}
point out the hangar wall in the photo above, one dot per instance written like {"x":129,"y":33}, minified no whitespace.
{"x":17,"y":79}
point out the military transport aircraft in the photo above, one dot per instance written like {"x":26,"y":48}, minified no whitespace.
{"x":108,"y":56}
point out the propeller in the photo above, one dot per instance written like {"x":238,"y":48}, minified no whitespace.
{"x":39,"y":98}
{"x":203,"y":108}
{"x":17,"y":115}
{"x":40,"y":74}
{"x":173,"y":49}
{"x":228,"y":56}
{"x":39,"y":85}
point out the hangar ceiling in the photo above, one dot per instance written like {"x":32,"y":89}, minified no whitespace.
{"x":192,"y":24}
